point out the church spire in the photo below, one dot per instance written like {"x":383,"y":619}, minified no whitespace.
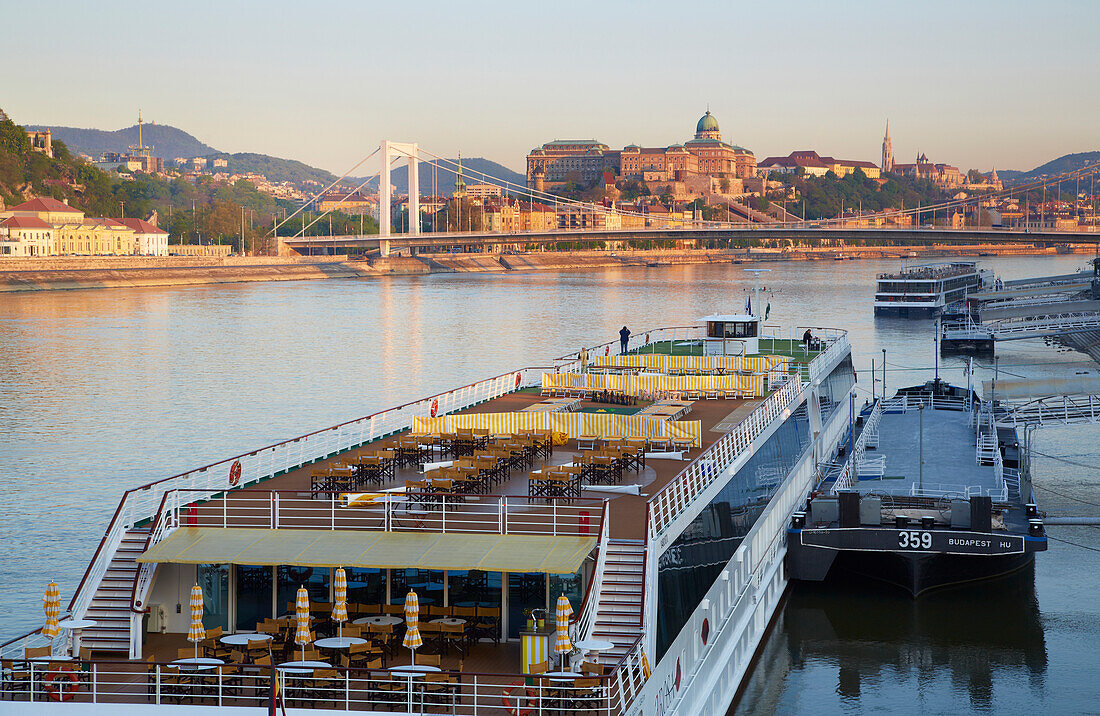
{"x":460,"y":185}
{"x":887,"y":151}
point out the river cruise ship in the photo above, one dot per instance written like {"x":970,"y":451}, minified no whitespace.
{"x":923,"y":291}
{"x":932,"y":493}
{"x":603,"y":534}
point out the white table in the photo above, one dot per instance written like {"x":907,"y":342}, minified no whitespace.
{"x":302,"y":667}
{"x":339,"y":642}
{"x":384,"y":620}
{"x":449,"y":621}
{"x":562,"y":676}
{"x":243,"y":639}
{"x":77,"y":623}
{"x":196,"y":664}
{"x":596,"y":645}
{"x":62,"y":657}
{"x":414,"y":671}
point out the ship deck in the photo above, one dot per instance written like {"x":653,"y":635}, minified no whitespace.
{"x":949,"y":454}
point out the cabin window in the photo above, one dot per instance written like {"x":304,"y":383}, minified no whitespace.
{"x":526,"y":591}
{"x":366,"y":585}
{"x":427,"y":583}
{"x":474,"y":588}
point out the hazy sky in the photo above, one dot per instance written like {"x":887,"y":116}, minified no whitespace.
{"x":975,"y":84}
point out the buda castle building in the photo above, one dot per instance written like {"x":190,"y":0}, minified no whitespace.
{"x":583,"y":161}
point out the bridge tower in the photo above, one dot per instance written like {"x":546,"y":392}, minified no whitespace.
{"x":389,"y":150}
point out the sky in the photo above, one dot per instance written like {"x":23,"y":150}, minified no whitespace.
{"x":975,"y":84}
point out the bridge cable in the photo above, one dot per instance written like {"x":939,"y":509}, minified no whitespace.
{"x":358,"y":164}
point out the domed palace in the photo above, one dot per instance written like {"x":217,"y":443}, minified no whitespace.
{"x":582,"y":161}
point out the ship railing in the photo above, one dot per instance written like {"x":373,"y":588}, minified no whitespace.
{"x":675,"y":497}
{"x":629,"y":676}
{"x":329,"y":689}
{"x":943,"y":491}
{"x":585,"y":623}
{"x":681,"y":491}
{"x":856,"y":458}
{"x":16,"y":647}
{"x":142,"y":503}
{"x":639,"y":341}
{"x":438,"y":512}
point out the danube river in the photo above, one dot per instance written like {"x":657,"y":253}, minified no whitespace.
{"x":105,"y":390}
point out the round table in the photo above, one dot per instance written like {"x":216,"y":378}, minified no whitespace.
{"x":384,"y":620}
{"x":414,"y":671}
{"x":302,"y":667}
{"x":243,"y":639}
{"x":77,"y":623}
{"x":596,"y":645}
{"x":449,"y":621}
{"x":339,"y":642}
{"x":196,"y":664}
{"x":61,"y":657}
{"x":562,"y":676}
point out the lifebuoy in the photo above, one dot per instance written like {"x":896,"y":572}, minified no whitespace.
{"x":435,"y":407}
{"x":607,"y":350}
{"x":55,"y":683}
{"x":517,"y":708}
{"x":518,"y":377}
{"x":235,"y":473}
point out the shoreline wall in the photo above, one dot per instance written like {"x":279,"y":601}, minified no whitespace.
{"x":73,"y":273}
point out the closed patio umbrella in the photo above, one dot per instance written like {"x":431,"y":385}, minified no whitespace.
{"x":340,"y":592}
{"x":412,"y":631}
{"x":562,"y":645}
{"x":197,"y":632}
{"x":301,"y":615}
{"x":52,"y":604}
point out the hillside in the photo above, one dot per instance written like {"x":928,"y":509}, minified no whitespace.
{"x":1065,"y":163}
{"x":167,"y":142}
{"x":273,"y":168}
{"x":445,"y":178}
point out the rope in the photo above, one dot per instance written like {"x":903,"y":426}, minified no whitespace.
{"x":340,"y":179}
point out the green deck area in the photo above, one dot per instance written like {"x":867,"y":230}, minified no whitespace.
{"x":768,"y":346}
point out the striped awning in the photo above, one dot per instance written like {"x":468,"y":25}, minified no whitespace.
{"x":366,"y":548}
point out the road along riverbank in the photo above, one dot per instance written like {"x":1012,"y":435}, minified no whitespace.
{"x":84,"y":272}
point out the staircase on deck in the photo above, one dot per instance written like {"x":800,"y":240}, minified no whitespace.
{"x":110,"y":607}
{"x":619,"y":616}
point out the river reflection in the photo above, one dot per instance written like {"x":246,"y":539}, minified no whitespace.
{"x":873,"y":645}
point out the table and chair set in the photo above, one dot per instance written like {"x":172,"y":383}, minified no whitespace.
{"x":604,"y":464}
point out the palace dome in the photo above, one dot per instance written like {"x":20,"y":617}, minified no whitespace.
{"x":707,"y":123}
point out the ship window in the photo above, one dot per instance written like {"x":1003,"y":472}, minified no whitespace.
{"x":526,"y":591}
{"x":427,"y":583}
{"x":254,"y":588}
{"x":214,"y":581}
{"x":366,"y":585}
{"x":290,"y":577}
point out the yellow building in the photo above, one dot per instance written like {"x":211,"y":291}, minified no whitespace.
{"x":537,"y":217}
{"x":73,"y":233}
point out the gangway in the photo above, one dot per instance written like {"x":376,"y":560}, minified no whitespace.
{"x":1068,"y":400}
{"x":982,"y":335}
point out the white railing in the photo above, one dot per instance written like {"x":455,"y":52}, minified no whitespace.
{"x":340,"y":689}
{"x":142,"y":503}
{"x":629,"y":677}
{"x":675,"y":497}
{"x":850,"y":472}
{"x":390,"y":512}
{"x":589,"y":611}
{"x":639,"y":340}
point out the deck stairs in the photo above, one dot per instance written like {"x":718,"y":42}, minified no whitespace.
{"x":110,"y":606}
{"x":622,"y":592}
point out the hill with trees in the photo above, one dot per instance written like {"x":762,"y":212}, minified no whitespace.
{"x":168,"y":142}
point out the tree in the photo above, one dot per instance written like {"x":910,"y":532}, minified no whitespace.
{"x":975,"y":177}
{"x":13,"y":138}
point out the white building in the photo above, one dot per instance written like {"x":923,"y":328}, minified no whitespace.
{"x":26,"y":236}
{"x":148,"y":239}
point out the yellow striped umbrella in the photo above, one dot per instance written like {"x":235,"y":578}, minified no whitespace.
{"x":301,"y":615}
{"x":52,"y":603}
{"x":197,"y":632}
{"x":412,"y":632}
{"x":562,"y":645}
{"x":340,"y":591}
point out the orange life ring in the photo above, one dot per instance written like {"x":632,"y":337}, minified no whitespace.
{"x":435,"y":407}
{"x":55,"y":683}
{"x":235,"y":473}
{"x":517,"y":709}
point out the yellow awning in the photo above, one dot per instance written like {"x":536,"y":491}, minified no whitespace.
{"x":383,"y":550}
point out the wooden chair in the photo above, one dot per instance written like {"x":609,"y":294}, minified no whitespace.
{"x":429,"y":659}
{"x":36,"y":652}
{"x":540,"y":668}
{"x":454,"y":635}
{"x":590,"y":667}
{"x":185,"y":653}
{"x":488,"y":625}
{"x":16,"y":678}
{"x":256,"y":648}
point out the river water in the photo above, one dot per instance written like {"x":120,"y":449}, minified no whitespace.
{"x":105,"y":390}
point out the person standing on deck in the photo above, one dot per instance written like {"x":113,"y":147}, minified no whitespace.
{"x":807,"y":339}
{"x":624,"y":338}
{"x":582,"y":356}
